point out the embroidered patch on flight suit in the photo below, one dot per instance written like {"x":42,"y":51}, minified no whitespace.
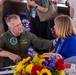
{"x":24,"y":41}
{"x":13,"y":41}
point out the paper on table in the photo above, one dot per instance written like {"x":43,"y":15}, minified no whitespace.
{"x":6,"y":72}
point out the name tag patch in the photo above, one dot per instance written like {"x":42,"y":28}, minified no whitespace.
{"x":24,"y":41}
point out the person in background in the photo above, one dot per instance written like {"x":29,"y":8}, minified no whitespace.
{"x":15,"y":42}
{"x":72,"y":4}
{"x":65,"y":31}
{"x":1,"y":16}
{"x":38,"y":28}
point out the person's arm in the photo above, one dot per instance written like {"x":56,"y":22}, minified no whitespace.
{"x":53,"y":45}
{"x":54,"y":42}
{"x":28,"y":5}
{"x":71,"y":12}
{"x":43,"y":9}
{"x":10,"y":55}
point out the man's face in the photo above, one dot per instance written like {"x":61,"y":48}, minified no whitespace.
{"x":16,"y":27}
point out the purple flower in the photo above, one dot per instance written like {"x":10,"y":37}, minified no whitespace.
{"x":52,"y":62}
{"x":31,"y":52}
{"x":46,"y":63}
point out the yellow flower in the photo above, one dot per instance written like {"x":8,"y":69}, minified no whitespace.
{"x":62,"y":72}
{"x":19,"y":67}
{"x":29,"y":68}
{"x":38,"y":73}
{"x":36,"y":55}
{"x":36,"y":59}
{"x":45,"y":71}
{"x":41,"y":62}
{"x":25,"y":60}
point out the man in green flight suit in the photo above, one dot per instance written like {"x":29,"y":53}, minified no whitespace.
{"x":15,"y":42}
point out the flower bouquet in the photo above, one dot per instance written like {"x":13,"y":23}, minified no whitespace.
{"x":36,"y":64}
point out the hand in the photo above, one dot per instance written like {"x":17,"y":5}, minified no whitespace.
{"x":32,"y":3}
{"x":14,"y":57}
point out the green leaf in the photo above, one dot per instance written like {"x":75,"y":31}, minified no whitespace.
{"x":13,"y":68}
{"x":17,"y":73}
{"x":56,"y":72}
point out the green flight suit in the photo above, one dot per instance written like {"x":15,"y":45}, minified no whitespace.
{"x":19,"y":45}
